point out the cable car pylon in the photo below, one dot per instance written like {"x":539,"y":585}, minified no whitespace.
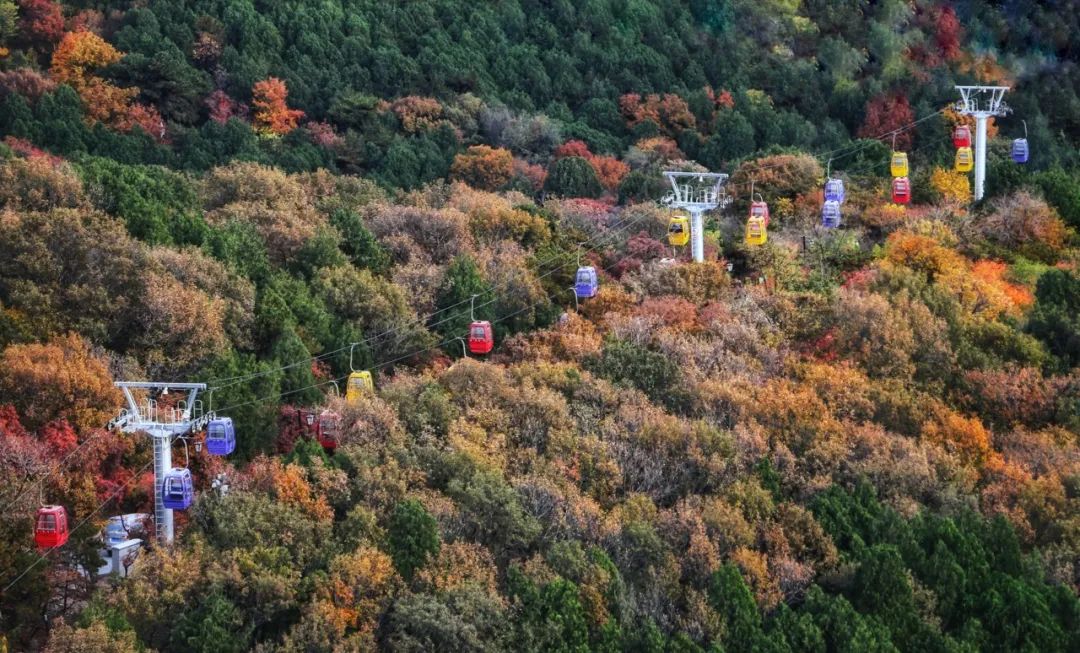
{"x":163,"y":426}
{"x":699,"y":192}
{"x":991,"y":104}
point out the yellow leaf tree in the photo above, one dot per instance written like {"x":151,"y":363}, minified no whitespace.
{"x":954,"y":187}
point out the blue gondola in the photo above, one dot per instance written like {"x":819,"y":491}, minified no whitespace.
{"x":177,"y":489}
{"x":1020,"y":150}
{"x":220,"y":436}
{"x":830,"y":214}
{"x":834,"y":190}
{"x":586,"y":283}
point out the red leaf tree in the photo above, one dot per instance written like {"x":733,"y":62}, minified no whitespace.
{"x":947,"y":34}
{"x":884,"y":115}
{"x":608,"y":169}
{"x":222,"y":107}
{"x":42,"y":22}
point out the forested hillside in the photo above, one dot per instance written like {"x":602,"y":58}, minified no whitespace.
{"x":849,"y":435}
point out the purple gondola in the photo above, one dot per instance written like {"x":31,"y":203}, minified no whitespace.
{"x":830,"y":214}
{"x":177,"y":489}
{"x":586,"y":283}
{"x":834,"y":190}
{"x":220,"y":436}
{"x":1020,"y":150}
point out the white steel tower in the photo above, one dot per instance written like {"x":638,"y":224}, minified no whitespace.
{"x":696,"y":192}
{"x":163,"y":425}
{"x":981,"y":102}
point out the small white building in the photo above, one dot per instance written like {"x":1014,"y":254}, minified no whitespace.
{"x":122,"y":540}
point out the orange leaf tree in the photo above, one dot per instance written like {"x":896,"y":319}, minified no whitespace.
{"x":60,"y":379}
{"x":74,"y":61}
{"x":948,"y":33}
{"x":358,"y":590}
{"x":965,"y":436}
{"x":669,"y":112}
{"x":610,"y":171}
{"x":273,"y":116}
{"x":417,"y":114}
{"x":483,"y":167}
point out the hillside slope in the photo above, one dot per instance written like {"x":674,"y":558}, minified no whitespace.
{"x":861,"y":438}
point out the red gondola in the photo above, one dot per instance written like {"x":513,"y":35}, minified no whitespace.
{"x":481,"y":337}
{"x":961,"y":136}
{"x":324,"y":427}
{"x":326,"y":432}
{"x":51,"y":527}
{"x":901,"y":190}
{"x":760,"y":209}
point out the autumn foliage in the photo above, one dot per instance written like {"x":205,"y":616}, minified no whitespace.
{"x":417,"y":113}
{"x":42,"y":21}
{"x":1027,"y":223}
{"x":609,"y":170}
{"x":953,"y":186}
{"x":483,"y":167}
{"x":885,"y":114}
{"x":58,"y":380}
{"x":77,"y":57}
{"x":271,"y":114}
{"x":222,"y":107}
{"x":669,"y":112}
{"x":845,"y":439}
{"x":75,"y":61}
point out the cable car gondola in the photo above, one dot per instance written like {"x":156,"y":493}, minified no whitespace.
{"x":678,"y":234}
{"x":50,"y":527}
{"x":321,"y":426}
{"x":830,"y":214}
{"x":834,"y":191}
{"x":327,"y":430}
{"x":898,"y":165}
{"x":481,"y":337}
{"x":901,"y":190}
{"x":961,"y":136}
{"x":760,"y":209}
{"x":177,"y":489}
{"x":757,"y":232}
{"x":965,"y":161}
{"x":586,"y":283}
{"x":220,"y":436}
{"x":359,"y":384}
{"x":1020,"y":151}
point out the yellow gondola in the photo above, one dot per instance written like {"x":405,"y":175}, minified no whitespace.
{"x":898,"y":165}
{"x":359,"y":384}
{"x":965,"y":160}
{"x":756,"y":231}
{"x":678,"y":231}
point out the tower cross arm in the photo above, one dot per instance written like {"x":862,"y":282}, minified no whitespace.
{"x":992,"y":105}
